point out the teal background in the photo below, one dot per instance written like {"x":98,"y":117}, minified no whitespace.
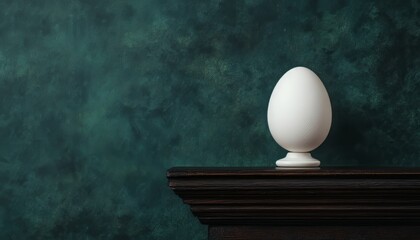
{"x":99,"y":98}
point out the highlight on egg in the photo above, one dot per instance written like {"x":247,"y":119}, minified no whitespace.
{"x":299,"y":116}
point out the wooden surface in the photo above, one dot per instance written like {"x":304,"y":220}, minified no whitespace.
{"x":314,"y":232}
{"x":349,"y":199}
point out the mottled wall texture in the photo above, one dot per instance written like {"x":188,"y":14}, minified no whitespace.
{"x":98,"y":98}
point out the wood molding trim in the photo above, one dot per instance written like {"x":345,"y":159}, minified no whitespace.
{"x":320,"y":196}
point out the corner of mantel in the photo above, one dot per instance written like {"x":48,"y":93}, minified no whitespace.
{"x":326,"y":196}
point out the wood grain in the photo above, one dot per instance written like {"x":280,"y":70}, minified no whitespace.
{"x":314,"y":233}
{"x":328,"y":197}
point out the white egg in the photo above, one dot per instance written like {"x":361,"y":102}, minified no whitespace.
{"x":299,"y":115}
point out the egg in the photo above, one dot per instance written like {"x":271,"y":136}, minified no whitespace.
{"x":299,"y":116}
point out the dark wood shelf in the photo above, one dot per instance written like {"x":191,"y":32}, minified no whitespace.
{"x":270,"y":203}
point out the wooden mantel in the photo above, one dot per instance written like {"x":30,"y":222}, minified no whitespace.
{"x":302,"y":204}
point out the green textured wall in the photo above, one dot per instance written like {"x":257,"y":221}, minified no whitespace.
{"x":99,"y":98}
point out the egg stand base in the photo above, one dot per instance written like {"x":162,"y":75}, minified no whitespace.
{"x":298,"y":160}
